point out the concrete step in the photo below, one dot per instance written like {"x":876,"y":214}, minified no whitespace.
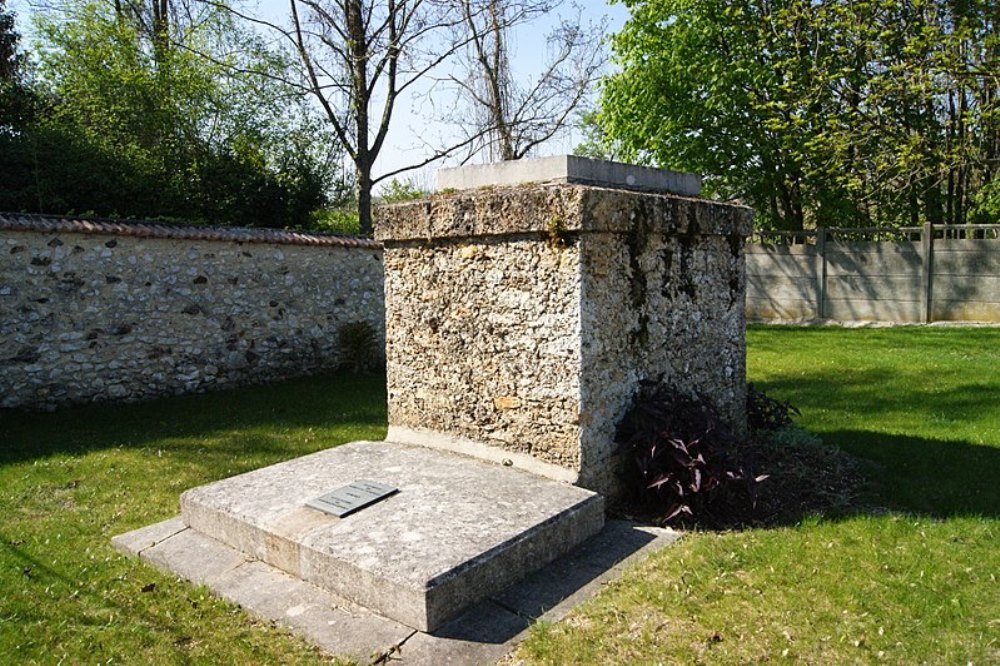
{"x":458,"y":530}
{"x":480,"y":635}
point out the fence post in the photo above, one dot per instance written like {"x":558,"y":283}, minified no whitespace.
{"x":926,"y":277}
{"x":821,"y":250}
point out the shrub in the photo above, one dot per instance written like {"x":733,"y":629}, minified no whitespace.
{"x":358,"y":347}
{"x":685,"y":460}
{"x":765,"y":413}
{"x":341,"y":220}
{"x":401,"y":190}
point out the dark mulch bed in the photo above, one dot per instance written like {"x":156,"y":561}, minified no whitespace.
{"x":804,"y":477}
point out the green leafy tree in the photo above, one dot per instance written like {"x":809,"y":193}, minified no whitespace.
{"x":732,"y":90}
{"x":16,"y":98}
{"x":923,"y":126}
{"x":146,"y":117}
{"x":830,"y":112}
{"x":595,"y":144}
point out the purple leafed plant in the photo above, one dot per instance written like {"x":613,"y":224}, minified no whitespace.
{"x":685,"y":464}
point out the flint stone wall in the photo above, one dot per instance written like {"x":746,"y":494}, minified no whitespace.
{"x":524,"y":317}
{"x":98,"y":311}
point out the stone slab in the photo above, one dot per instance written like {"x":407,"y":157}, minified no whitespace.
{"x":481,"y":635}
{"x":136,"y":541}
{"x":493,"y":628}
{"x":332,"y":623}
{"x":194,"y":557}
{"x":569,"y":169}
{"x":458,"y":530}
{"x":555,"y":590}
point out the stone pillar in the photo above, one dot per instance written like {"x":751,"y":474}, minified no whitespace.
{"x":520,"y":318}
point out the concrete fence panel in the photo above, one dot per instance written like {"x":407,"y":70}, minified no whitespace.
{"x":782,"y":281}
{"x":949,"y":274}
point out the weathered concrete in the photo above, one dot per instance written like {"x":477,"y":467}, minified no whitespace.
{"x":194,"y":557}
{"x":136,"y":541}
{"x":458,"y":530}
{"x":482,"y":635}
{"x":333,"y":623}
{"x":330,"y":622}
{"x":551,"y":213}
{"x":899,"y":281}
{"x":523,"y":318}
{"x":569,"y":169}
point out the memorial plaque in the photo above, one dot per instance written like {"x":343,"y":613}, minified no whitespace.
{"x":352,"y":497}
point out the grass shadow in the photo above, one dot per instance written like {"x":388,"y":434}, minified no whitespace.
{"x":206,"y":428}
{"x":856,"y":472}
{"x":917,"y":405}
{"x":932,"y":477}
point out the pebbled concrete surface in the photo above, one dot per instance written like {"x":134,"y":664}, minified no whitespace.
{"x":481,"y":635}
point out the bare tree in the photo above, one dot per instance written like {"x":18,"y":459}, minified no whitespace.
{"x":353,"y":52}
{"x":358,"y":58}
{"x":510,"y":118}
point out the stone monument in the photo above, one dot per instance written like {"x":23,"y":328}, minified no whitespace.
{"x":525,"y":302}
{"x":521,"y":317}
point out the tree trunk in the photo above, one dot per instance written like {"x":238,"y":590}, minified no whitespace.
{"x":363,"y":190}
{"x":495,"y":70}
{"x":161,"y":32}
{"x":359,"y":44}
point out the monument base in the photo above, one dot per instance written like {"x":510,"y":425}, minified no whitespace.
{"x":481,"y":635}
{"x":458,"y":530}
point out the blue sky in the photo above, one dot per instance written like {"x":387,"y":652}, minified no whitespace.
{"x":413,"y":123}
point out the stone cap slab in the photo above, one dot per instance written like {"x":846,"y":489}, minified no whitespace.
{"x":553,"y":209}
{"x":570,"y":169}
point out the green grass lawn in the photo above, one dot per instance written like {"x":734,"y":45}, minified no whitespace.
{"x":914,"y":580}
{"x":71,"y":480}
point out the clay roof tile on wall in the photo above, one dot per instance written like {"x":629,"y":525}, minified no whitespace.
{"x":147,"y":229}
